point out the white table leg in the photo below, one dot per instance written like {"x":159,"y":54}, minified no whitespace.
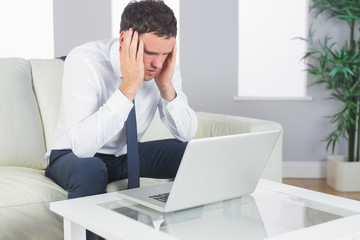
{"x":73,"y":231}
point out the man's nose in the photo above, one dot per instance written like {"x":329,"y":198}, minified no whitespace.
{"x":158,"y":61}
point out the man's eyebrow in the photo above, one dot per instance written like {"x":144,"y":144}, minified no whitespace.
{"x":150,"y":52}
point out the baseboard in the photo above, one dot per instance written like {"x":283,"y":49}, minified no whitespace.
{"x":304,"y":169}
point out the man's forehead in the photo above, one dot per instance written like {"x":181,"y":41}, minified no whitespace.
{"x":156,"y":44}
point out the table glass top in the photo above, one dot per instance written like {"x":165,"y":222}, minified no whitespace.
{"x":260,"y":215}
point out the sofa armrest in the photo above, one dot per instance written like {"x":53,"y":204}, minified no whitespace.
{"x":212,"y":125}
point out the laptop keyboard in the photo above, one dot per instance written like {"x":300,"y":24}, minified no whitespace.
{"x":160,"y":197}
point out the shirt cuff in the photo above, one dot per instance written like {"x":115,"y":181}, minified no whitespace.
{"x":119,"y":104}
{"x":173,"y":107}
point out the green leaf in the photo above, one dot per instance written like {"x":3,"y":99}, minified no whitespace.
{"x":337,"y":66}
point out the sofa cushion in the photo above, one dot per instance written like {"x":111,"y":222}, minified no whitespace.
{"x":157,"y":130}
{"x":27,"y":186}
{"x":21,"y":186}
{"x":21,"y":134}
{"x":47,"y":77}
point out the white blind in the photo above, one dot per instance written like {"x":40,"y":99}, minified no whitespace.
{"x":26,"y":28}
{"x":269,"y":58}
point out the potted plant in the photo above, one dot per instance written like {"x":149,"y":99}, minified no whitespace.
{"x":337,"y":67}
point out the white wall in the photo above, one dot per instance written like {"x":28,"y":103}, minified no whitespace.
{"x":80,"y":21}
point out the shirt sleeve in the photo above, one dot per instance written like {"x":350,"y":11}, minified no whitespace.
{"x":178,"y":117}
{"x":90,"y":126}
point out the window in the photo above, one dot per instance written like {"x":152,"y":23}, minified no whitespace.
{"x":270,"y":65}
{"x":26,"y":29}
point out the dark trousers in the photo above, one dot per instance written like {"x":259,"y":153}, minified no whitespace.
{"x":89,"y":176}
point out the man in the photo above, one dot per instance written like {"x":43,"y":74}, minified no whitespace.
{"x":101,"y":83}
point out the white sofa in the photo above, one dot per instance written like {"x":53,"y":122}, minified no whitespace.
{"x":30,"y":91}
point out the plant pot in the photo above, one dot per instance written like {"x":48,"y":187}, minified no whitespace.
{"x":342,"y":175}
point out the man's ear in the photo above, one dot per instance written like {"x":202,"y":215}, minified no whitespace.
{"x":122,"y":37}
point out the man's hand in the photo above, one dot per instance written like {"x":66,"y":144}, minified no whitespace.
{"x":131,"y":63}
{"x":164,"y":76}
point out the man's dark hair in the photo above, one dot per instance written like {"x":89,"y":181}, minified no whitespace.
{"x":149,"y":16}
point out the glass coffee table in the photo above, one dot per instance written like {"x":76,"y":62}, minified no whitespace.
{"x":272,"y":211}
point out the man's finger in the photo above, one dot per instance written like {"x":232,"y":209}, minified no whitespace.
{"x":134,"y":46}
{"x":127,"y":40}
{"x":140,"y":52}
{"x":174,"y":51}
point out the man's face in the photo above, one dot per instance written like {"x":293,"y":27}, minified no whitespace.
{"x":156,"y":49}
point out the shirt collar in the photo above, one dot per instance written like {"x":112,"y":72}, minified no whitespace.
{"x":115,"y":57}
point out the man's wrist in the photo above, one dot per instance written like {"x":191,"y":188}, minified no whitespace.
{"x":168,"y":94}
{"x":128,"y":91}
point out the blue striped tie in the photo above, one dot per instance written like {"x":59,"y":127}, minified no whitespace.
{"x":132,"y":150}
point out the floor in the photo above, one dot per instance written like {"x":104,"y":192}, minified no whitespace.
{"x":319,"y":184}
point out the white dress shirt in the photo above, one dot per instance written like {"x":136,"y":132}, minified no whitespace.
{"x":93,"y":109}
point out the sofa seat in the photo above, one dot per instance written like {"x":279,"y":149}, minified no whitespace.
{"x":28,"y":185}
{"x":24,"y":203}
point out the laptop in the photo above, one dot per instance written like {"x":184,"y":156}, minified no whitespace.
{"x":212,"y":170}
